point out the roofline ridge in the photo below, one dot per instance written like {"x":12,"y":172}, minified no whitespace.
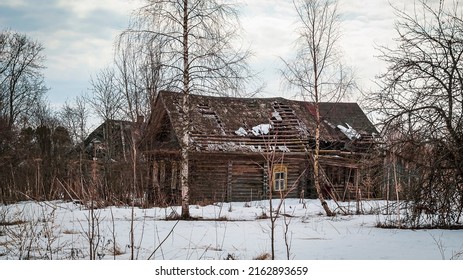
{"x":164,"y":92}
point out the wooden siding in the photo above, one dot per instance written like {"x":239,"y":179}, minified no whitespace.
{"x":208,"y":180}
{"x":220,"y":179}
{"x":247,"y":180}
{"x":225,"y":179}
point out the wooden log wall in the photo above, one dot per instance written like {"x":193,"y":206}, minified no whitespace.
{"x":247,"y":181}
{"x":222,"y":179}
{"x":216,"y":180}
{"x":208,"y":181}
{"x":298,"y":176}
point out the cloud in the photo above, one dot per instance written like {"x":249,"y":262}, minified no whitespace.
{"x":268,"y":26}
{"x":365,"y":25}
{"x":78,"y":36}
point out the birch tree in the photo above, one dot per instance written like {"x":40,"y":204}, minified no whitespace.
{"x":316,"y":71}
{"x":199,"y":54}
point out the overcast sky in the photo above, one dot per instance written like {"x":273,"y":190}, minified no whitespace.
{"x":78,"y":36}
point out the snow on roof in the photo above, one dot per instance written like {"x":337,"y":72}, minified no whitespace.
{"x":351,"y":133}
{"x":241,"y":132}
{"x":261,"y":129}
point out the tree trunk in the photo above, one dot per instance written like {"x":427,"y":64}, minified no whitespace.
{"x":186,"y":119}
{"x":185,"y":159}
{"x":316,"y":163}
{"x":316,"y":168}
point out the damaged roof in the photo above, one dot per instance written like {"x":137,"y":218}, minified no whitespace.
{"x":254,"y":124}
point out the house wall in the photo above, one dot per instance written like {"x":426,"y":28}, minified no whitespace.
{"x":247,"y":181}
{"x":218,"y":178}
{"x":225,"y":178}
{"x":208,"y":180}
{"x":241,"y":179}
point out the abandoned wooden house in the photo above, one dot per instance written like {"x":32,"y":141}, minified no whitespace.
{"x":113,"y":140}
{"x":238,"y":144}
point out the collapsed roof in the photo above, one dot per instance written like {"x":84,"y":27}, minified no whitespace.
{"x":254,"y":125}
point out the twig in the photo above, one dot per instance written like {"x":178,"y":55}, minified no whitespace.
{"x":164,"y":240}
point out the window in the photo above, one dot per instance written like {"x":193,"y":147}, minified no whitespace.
{"x":280,"y":177}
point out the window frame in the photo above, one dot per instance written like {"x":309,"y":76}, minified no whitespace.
{"x":280,"y":169}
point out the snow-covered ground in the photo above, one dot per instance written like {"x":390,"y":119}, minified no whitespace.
{"x":60,"y":230}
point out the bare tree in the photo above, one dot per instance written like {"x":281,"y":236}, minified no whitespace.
{"x":197,"y":39}
{"x":138,"y":76}
{"x":74,"y":117}
{"x":107,"y":99}
{"x":420,"y":103}
{"x":21,"y":80}
{"x":316,"y":71}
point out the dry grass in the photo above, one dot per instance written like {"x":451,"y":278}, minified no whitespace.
{"x":263,"y":257}
{"x":12,"y":223}
{"x":116,"y":251}
{"x":70,"y":231}
{"x":262,"y":216}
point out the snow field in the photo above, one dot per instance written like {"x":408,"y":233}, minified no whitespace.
{"x":60,"y":230}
